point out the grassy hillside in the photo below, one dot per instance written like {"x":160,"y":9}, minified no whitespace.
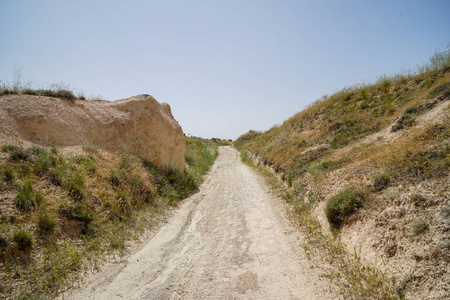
{"x":368,"y":169}
{"x":63,"y":210}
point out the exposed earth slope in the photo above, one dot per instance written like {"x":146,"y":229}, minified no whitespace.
{"x":139,"y":125}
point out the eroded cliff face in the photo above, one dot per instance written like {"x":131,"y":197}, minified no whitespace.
{"x":139,"y":125}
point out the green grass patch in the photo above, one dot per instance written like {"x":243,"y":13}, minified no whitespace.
{"x":27,"y":199}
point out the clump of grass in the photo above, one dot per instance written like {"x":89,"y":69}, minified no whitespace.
{"x":26,"y":198}
{"x":418,"y":199}
{"x":8,"y":148}
{"x":342,"y":205}
{"x":122,"y":207}
{"x":324,"y":166}
{"x":407,"y":119}
{"x":442,"y":90}
{"x":37,"y":150}
{"x":116,"y":177}
{"x":46,"y":223}
{"x":77,"y":212}
{"x":75,"y":185}
{"x":117,"y":242}
{"x":7,"y":174}
{"x":16,"y":153}
{"x":381,"y":181}
{"x":24,"y":240}
{"x":427,"y":164}
{"x":419,"y":226}
{"x":246,"y":158}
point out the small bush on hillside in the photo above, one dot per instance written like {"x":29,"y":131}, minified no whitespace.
{"x":342,"y":205}
{"x":23,"y":239}
{"x":46,"y":223}
{"x":65,"y":94}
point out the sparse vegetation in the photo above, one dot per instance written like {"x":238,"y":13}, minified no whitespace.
{"x":24,"y":240}
{"x":345,"y":140}
{"x":46,"y":223}
{"x":80,"y":206}
{"x":381,"y":181}
{"x":420,"y":226}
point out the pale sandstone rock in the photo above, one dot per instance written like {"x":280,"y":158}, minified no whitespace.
{"x":139,"y":125}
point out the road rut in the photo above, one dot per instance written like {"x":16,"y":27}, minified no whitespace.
{"x":228,"y":241}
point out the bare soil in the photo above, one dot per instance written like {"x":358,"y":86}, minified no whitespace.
{"x":231,"y":240}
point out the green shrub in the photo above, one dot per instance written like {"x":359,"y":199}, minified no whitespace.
{"x":46,"y":223}
{"x":342,"y":205}
{"x":65,"y":94}
{"x":26,"y":199}
{"x":23,"y":239}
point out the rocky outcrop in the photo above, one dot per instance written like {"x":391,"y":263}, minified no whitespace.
{"x":139,"y":125}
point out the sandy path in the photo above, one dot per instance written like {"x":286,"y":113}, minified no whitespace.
{"x":228,"y":241}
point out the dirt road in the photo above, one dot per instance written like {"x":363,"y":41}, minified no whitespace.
{"x":228,"y":241}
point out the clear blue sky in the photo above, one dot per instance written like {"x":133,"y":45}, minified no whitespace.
{"x":225,"y":67}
